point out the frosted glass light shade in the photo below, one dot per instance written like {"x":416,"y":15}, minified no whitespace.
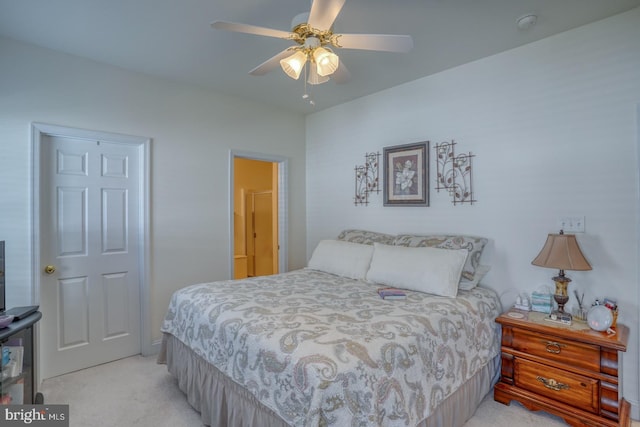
{"x":314,"y":78}
{"x":326,"y":61}
{"x":292,"y":65}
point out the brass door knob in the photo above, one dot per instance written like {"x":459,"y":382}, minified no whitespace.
{"x":50,"y":269}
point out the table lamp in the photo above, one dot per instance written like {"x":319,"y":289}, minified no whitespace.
{"x":562,"y":251}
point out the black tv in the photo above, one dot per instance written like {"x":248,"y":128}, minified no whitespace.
{"x":2,"y":300}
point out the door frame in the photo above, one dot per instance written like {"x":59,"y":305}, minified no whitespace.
{"x":283,"y":205}
{"x":38,"y":133}
{"x":635,"y":407}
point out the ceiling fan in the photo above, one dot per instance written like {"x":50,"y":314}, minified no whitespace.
{"x":314,"y":36}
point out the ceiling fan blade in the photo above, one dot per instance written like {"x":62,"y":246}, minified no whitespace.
{"x":270,"y":64}
{"x":384,"y":42}
{"x":324,"y":12}
{"x":252,"y":29}
{"x":342,"y":74}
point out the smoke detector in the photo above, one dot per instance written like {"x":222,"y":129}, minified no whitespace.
{"x":527,"y":21}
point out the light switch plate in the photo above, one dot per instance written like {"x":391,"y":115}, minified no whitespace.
{"x":571,"y":224}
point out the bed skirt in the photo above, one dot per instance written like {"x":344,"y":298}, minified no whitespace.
{"x":222,"y":402}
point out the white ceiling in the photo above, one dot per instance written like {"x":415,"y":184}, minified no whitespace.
{"x":173,"y":38}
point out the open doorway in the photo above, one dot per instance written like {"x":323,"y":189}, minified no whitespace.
{"x":258,"y":217}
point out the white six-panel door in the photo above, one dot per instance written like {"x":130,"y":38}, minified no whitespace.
{"x":89,"y":225}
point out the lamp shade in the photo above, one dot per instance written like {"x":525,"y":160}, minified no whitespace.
{"x":561,"y":251}
{"x":326,"y":61}
{"x":292,"y":65}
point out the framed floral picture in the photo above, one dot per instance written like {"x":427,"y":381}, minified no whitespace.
{"x":406,"y":175}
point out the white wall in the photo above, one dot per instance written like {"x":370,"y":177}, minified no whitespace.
{"x":192,"y":129}
{"x":553,"y":125}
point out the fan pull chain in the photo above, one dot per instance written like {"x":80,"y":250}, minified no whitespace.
{"x":306,"y":95}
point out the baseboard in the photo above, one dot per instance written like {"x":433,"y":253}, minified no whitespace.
{"x":152,"y":349}
{"x":635,"y":409}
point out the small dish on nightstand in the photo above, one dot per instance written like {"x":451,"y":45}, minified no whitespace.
{"x":5,"y":320}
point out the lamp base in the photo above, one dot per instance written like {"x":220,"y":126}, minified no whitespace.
{"x":561,"y":296}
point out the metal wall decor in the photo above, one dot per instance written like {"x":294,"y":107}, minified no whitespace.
{"x":367,"y":178}
{"x":454,"y":173}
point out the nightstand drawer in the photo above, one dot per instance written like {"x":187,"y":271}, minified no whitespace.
{"x":575,"y":390}
{"x":574,"y":353}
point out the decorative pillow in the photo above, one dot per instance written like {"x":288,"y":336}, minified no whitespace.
{"x":473,"y":244}
{"x":342,"y":258}
{"x":467,"y":285}
{"x":430,"y":270}
{"x":366,"y":237}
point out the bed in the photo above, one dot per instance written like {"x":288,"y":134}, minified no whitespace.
{"x":319,"y":347}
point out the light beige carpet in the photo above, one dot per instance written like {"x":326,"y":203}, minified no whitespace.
{"x":138,"y":392}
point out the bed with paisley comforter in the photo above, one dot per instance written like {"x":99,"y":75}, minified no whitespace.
{"x":316,"y":348}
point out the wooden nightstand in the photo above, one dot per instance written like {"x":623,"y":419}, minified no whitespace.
{"x":569,"y":371}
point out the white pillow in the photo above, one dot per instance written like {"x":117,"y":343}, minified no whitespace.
{"x":342,"y":258}
{"x":430,"y":270}
{"x":467,"y":285}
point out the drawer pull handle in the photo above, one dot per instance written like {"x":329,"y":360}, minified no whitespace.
{"x":552,"y":384}
{"x":553,"y":347}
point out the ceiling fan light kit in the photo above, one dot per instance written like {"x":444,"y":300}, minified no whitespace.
{"x":325,"y":63}
{"x":313,"y":32}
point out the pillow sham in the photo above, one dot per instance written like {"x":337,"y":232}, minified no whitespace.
{"x":365,"y":237}
{"x":467,"y":285}
{"x":429,"y":270}
{"x":473,"y":244}
{"x":342,"y":258}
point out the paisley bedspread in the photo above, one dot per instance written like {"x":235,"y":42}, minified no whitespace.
{"x":320,"y":349}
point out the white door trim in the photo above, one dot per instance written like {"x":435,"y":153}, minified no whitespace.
{"x":635,"y":400}
{"x":41,"y":130}
{"x":283,"y":205}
